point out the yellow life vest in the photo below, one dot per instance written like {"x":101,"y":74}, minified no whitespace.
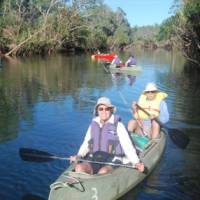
{"x":151,"y":106}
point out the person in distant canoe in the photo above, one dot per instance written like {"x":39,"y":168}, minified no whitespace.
{"x":98,"y":51}
{"x":116,"y":61}
{"x":153,"y":101}
{"x":131,"y":61}
{"x":106,"y":140}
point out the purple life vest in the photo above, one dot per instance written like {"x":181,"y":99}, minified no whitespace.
{"x":116,"y":61}
{"x":105,"y":138}
{"x":131,"y":61}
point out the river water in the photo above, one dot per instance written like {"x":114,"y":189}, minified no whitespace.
{"x":47,"y":103}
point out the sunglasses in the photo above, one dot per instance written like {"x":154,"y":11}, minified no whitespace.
{"x":150,"y":92}
{"x":106,"y":109}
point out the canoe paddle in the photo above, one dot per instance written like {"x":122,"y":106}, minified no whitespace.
{"x":34,"y":155}
{"x":32,"y":197}
{"x":178,"y":137}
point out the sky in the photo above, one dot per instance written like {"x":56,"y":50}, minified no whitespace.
{"x":143,"y":12}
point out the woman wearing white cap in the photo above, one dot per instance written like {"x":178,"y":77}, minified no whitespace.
{"x":152,"y":101}
{"x":106,"y":140}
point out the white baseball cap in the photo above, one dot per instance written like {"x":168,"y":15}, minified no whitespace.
{"x":150,"y":87}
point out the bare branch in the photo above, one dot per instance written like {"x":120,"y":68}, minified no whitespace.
{"x":23,"y":42}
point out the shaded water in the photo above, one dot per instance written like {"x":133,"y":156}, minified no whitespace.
{"x":47,"y":103}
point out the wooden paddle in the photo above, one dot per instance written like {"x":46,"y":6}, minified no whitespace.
{"x":34,"y":155}
{"x":178,"y":137}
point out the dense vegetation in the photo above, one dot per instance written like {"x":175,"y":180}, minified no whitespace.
{"x":183,"y":29}
{"x":43,"y":26}
{"x":46,"y":25}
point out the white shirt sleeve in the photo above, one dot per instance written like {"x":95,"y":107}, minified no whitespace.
{"x":113,"y":62}
{"x":127,"y":61}
{"x":126,"y":144}
{"x":84,"y":149}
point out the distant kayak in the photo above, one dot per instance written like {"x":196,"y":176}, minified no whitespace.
{"x":108,"y":57}
{"x":127,"y":70}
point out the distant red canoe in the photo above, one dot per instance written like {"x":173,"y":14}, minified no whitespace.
{"x":104,"y":56}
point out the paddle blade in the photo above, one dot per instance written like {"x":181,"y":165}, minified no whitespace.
{"x":106,"y":67}
{"x":33,"y":155}
{"x":178,"y":137}
{"x":32,"y":197}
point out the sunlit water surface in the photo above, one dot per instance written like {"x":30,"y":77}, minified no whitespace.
{"x":47,"y":103}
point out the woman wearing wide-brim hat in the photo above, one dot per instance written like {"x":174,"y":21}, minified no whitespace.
{"x":153,"y":102}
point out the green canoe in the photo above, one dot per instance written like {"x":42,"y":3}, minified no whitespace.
{"x":134,"y":69}
{"x":80,"y":186}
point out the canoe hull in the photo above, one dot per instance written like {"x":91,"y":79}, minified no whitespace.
{"x":134,"y":69}
{"x":108,"y":57}
{"x":110,"y":186}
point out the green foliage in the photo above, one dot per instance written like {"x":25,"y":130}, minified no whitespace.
{"x":88,"y":24}
{"x":191,"y":35}
{"x":145,"y":32}
{"x":82,"y":23}
{"x":121,"y":36}
{"x":183,"y":29}
{"x":167,"y":28}
{"x":192,"y":14}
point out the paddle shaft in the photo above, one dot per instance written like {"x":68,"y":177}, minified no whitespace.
{"x":120,"y":94}
{"x":178,"y":137}
{"x":95,"y":162}
{"x":108,"y":163}
{"x":32,"y":155}
{"x":157,"y":120}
